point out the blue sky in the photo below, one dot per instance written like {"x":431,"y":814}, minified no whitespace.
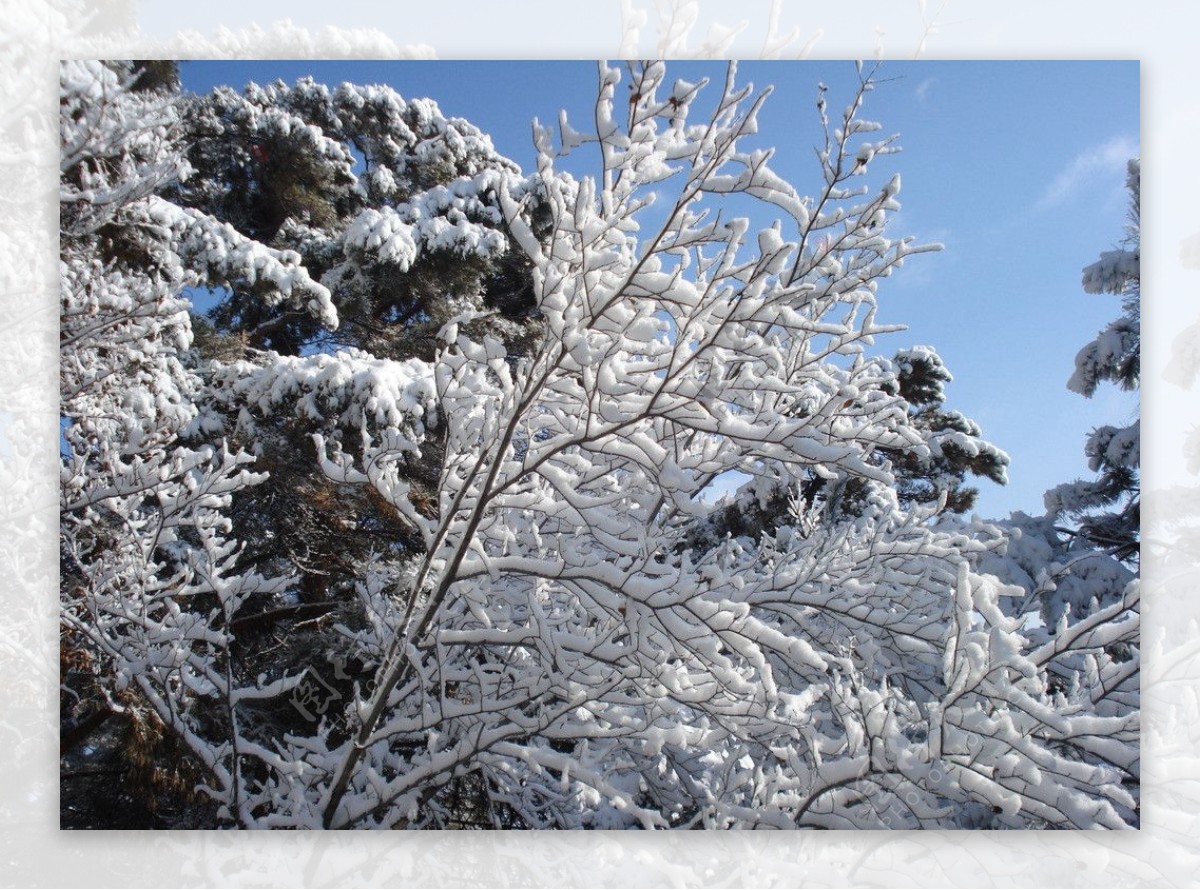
{"x":1017,"y":167}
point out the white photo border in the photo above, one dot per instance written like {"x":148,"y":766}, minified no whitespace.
{"x":40,"y":32}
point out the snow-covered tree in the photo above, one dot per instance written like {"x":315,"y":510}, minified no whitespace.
{"x":956,"y":446}
{"x":1086,"y":575}
{"x":150,"y":581}
{"x":553,"y":646}
{"x":1071,"y":574}
{"x":1107,"y":509}
{"x":931,"y":476}
{"x":391,"y":205}
{"x":388,"y":201}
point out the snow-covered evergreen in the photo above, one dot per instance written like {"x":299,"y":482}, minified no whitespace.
{"x":544,"y":644}
{"x":1107,"y":509}
{"x":150,"y":579}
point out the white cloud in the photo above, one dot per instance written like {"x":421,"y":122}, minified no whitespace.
{"x":923,"y":88}
{"x":1105,"y":159}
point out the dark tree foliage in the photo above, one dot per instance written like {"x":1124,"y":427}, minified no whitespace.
{"x":155,"y":75}
{"x":955,"y":441}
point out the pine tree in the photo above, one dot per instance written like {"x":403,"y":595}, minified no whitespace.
{"x":1107,"y":509}
{"x":386,"y":200}
{"x":389,"y":204}
{"x":956,"y":446}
